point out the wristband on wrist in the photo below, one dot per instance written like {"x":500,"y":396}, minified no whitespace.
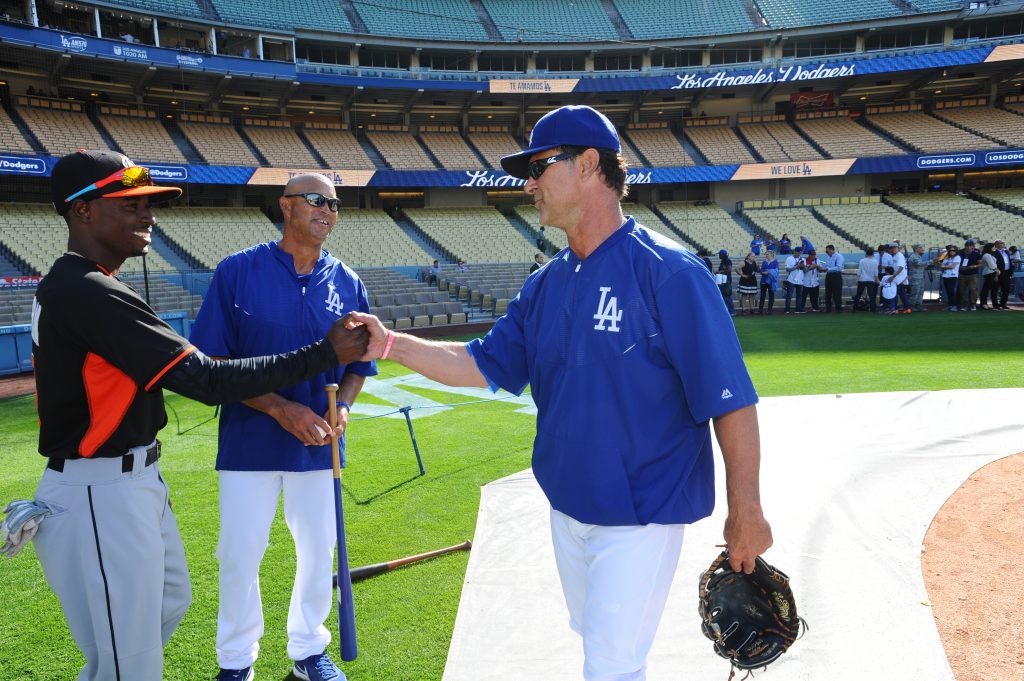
{"x":344,"y":404}
{"x":387,"y":345}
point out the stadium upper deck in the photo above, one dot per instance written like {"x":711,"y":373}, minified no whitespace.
{"x":536,"y":20}
{"x":428,"y":93}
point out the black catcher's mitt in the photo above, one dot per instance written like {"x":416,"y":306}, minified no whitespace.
{"x":752,"y":618}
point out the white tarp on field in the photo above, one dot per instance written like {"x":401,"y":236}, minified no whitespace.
{"x":850,"y":484}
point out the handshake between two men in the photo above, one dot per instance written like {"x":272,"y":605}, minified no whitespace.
{"x":359,"y":336}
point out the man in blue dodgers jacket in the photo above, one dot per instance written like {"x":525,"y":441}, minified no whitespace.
{"x":630,"y":353}
{"x":266,"y":299}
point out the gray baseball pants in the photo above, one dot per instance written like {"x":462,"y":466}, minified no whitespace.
{"x":113,"y":556}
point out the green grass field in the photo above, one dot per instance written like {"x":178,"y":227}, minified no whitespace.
{"x":405,"y":618}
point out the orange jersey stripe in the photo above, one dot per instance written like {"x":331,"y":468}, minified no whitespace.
{"x":184,"y":353}
{"x":109,"y":392}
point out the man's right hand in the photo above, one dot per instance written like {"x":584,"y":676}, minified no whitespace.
{"x":349,"y":339}
{"x":303,"y":423}
{"x":378,"y":334}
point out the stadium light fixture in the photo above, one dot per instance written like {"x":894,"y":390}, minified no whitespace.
{"x":938,"y":92}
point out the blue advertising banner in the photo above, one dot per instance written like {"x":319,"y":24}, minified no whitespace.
{"x":803,"y":72}
{"x":92,"y":46}
{"x":41,"y":166}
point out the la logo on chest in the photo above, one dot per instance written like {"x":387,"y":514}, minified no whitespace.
{"x":608,"y":311}
{"x":333,"y":301}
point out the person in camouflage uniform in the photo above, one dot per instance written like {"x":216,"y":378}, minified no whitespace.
{"x":915,"y":278}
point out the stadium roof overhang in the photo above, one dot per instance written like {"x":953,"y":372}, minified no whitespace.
{"x":182,"y":89}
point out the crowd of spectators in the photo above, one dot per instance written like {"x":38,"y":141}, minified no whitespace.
{"x":891,"y":279}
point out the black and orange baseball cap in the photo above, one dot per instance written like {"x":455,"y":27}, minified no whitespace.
{"x":91,"y":174}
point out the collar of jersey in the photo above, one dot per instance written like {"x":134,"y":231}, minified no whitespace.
{"x":614,"y":238}
{"x":288,"y":261}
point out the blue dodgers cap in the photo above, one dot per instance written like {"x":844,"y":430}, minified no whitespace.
{"x":577,"y":126}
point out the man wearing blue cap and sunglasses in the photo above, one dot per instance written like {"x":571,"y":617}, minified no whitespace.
{"x":630,"y":353}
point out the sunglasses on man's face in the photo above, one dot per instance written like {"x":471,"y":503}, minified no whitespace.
{"x":318,"y":200}
{"x":536,"y":168}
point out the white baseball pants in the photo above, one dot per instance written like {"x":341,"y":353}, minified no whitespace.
{"x":616,"y":582}
{"x":248,"y":502}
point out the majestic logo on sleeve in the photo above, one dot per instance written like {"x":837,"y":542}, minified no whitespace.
{"x":333,"y":301}
{"x":607,"y":311}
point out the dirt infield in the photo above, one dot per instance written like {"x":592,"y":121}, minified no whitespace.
{"x":971,"y":566}
{"x":13,"y":386}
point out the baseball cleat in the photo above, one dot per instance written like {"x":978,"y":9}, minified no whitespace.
{"x":318,"y":668}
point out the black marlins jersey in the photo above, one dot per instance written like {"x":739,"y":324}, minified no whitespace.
{"x":99,"y":351}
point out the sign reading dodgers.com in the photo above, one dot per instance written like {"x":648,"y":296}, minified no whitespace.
{"x":945,"y":161}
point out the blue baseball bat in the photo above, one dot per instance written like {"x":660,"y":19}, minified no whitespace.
{"x":346,"y":607}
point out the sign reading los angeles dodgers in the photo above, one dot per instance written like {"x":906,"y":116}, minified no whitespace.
{"x":608,"y":311}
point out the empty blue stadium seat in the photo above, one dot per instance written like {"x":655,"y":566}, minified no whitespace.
{"x":789,"y":14}
{"x":433,"y":19}
{"x":680,"y":18}
{"x":324,"y":15}
{"x":183,"y":8}
{"x":546,"y":21}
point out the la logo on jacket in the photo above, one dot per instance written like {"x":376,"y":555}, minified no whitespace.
{"x":333,"y":301}
{"x":607,"y":311}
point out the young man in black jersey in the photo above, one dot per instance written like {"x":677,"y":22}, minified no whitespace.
{"x":110,"y":547}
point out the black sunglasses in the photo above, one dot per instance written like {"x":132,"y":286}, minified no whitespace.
{"x":536,"y":168}
{"x":318,"y":200}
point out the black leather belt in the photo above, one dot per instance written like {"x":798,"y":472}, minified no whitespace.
{"x":127,"y":461}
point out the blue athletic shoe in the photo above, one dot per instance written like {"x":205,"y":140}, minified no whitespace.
{"x":318,"y":668}
{"x":246,"y":674}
